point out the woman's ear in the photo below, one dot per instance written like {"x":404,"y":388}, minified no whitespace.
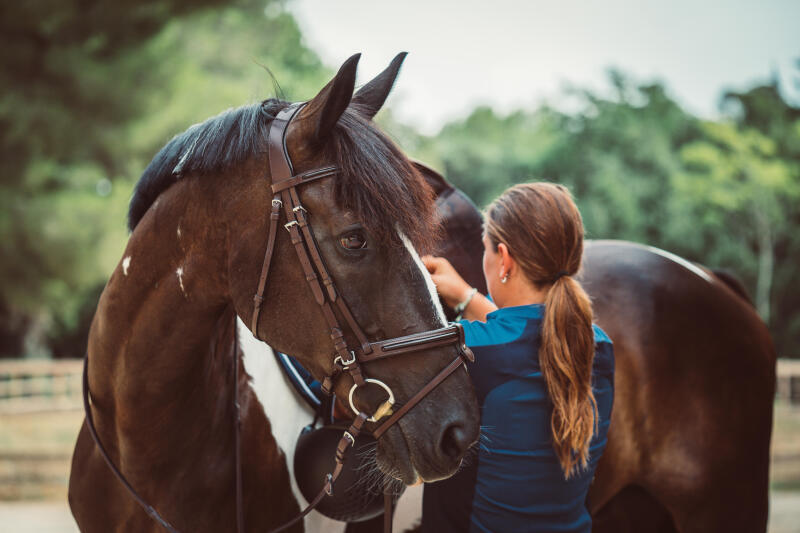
{"x":506,"y":261}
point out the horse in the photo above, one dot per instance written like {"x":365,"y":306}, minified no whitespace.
{"x":173,"y":407}
{"x":688,"y":445}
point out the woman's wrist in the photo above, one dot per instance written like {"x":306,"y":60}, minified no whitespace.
{"x":460,"y":307}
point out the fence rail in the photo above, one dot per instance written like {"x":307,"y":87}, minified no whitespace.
{"x":788,"y":377}
{"x":29,"y":386}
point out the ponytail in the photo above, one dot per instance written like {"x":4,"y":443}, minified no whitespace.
{"x":565,"y":357}
{"x":543,"y":230}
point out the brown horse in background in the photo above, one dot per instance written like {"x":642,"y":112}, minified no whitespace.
{"x":688,"y":446}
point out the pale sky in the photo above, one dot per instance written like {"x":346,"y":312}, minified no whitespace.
{"x":512,"y":54}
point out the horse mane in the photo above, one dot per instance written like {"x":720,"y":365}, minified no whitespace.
{"x":377,"y":182}
{"x":734,"y":284}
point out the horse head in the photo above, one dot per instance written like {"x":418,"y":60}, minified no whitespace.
{"x":367,"y":221}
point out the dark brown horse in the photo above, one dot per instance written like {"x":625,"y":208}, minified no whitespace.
{"x":688,"y":446}
{"x":161,"y":349}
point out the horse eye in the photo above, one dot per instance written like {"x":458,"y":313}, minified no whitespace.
{"x":353,"y":241}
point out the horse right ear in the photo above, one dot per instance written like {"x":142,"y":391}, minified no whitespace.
{"x":324,"y":110}
{"x":370,"y":97}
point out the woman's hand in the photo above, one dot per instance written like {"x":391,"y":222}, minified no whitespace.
{"x":450,"y":285}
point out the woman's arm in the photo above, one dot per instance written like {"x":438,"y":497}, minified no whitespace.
{"x":454,"y":290}
{"x":478,"y":308}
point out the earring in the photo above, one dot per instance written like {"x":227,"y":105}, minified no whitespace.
{"x":504,"y":278}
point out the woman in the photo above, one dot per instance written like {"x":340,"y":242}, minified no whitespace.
{"x":543,"y":373}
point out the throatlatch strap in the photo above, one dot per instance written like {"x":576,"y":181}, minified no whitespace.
{"x":258,"y":298}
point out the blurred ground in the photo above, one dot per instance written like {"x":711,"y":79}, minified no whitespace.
{"x":35,"y":453}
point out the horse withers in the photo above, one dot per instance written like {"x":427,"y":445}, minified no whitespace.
{"x":162,"y":354}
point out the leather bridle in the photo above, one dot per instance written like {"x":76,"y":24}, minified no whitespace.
{"x":347,"y":359}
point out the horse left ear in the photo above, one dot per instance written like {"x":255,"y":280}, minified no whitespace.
{"x":370,"y":98}
{"x":325,"y":109}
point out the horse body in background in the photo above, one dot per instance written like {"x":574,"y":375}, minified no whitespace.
{"x":688,"y":446}
{"x":162,"y":351}
{"x":689,"y":442}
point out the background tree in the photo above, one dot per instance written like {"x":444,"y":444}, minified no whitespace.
{"x":92,"y":90}
{"x":722,"y":193}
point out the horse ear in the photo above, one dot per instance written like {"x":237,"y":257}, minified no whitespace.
{"x":325,"y":109}
{"x":370,"y":97}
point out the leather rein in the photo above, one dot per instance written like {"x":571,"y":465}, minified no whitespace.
{"x":347,"y":359}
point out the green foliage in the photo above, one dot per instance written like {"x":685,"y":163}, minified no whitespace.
{"x":725,"y":194}
{"x":91,"y":94}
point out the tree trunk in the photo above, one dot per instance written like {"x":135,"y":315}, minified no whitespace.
{"x":766,"y":256}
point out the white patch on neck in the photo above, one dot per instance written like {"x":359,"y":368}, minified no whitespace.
{"x":681,"y":261}
{"x":179,"y":232}
{"x":286,"y":411}
{"x":179,"y":273}
{"x":435,"y":303}
{"x":125,"y":264}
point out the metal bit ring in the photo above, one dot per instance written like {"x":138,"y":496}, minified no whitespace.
{"x":390,"y":401}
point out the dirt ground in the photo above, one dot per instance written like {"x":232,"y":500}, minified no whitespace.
{"x":54,"y":517}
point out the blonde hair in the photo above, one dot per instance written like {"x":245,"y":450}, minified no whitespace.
{"x":543,"y":230}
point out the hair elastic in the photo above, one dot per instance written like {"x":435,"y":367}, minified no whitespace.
{"x":559,"y":276}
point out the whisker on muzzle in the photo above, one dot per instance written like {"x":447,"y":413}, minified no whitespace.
{"x":472,"y":453}
{"x":372,"y":478}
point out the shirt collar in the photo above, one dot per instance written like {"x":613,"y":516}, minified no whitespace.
{"x":521,"y":311}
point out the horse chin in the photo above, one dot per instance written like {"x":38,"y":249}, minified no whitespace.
{"x":394,"y":458}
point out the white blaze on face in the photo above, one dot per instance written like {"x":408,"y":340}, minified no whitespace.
{"x":681,"y":261}
{"x":125,"y":264}
{"x":286,"y":411}
{"x":437,"y":305}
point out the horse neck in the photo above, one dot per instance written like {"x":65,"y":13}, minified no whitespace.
{"x":161,"y":345}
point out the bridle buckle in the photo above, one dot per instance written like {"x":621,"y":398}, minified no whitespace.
{"x":345,"y":362}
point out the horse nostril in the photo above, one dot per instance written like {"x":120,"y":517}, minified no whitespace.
{"x":454,"y":442}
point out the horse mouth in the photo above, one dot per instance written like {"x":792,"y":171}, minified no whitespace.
{"x":395,"y":460}
{"x":401,"y":457}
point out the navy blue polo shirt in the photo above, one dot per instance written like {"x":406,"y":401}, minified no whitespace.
{"x":515,"y":482}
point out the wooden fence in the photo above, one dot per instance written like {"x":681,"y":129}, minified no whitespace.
{"x":30,"y":385}
{"x":788,"y":386}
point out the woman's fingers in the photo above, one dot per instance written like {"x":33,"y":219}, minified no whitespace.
{"x":438,"y":265}
{"x":431,"y":263}
{"x":450,"y":285}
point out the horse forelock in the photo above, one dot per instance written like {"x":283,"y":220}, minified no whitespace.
{"x":380,"y":185}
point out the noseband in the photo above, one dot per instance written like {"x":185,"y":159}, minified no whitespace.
{"x":346,"y":359}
